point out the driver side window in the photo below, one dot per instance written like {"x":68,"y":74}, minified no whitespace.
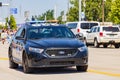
{"x":91,"y":30}
{"x":21,"y":32}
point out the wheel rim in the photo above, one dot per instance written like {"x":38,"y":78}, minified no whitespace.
{"x":10,"y":56}
{"x":25,"y":64}
{"x":95,"y":43}
{"x":85,"y":42}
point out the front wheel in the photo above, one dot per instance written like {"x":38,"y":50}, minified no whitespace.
{"x":85,"y":42}
{"x":12,"y":64}
{"x":26,"y":68}
{"x":96,"y":43}
{"x":82,"y":68}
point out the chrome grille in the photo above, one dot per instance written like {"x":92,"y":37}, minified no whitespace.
{"x":61,"y":52}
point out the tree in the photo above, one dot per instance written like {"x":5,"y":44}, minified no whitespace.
{"x":1,"y":27}
{"x":12,"y":22}
{"x":49,"y":15}
{"x":107,"y":10}
{"x":93,"y":10}
{"x":115,"y":12}
{"x":72,"y":15}
{"x":6,"y":23}
{"x":61,"y":17}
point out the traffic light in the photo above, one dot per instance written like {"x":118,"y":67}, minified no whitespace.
{"x":0,"y":4}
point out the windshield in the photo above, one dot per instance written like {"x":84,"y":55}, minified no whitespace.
{"x":88,"y":25}
{"x":50,"y":32}
{"x":72,"y":25}
{"x":112,"y":29}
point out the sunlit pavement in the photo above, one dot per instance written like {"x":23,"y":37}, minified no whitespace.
{"x":103,"y":65}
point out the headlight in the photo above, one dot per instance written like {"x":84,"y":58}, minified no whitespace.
{"x":83,"y":48}
{"x":37,"y":50}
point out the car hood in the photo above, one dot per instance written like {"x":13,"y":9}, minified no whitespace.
{"x":56,"y":43}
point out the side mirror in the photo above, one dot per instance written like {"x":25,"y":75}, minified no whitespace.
{"x":19,"y":38}
{"x":79,"y":36}
{"x":88,"y":31}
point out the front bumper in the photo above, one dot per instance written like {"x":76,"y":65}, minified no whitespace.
{"x":110,"y":41}
{"x":46,"y":59}
{"x":61,"y":62}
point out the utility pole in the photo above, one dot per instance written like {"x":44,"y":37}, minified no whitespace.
{"x":3,"y":4}
{"x":68,"y":5}
{"x":79,"y":10}
{"x":1,"y":10}
{"x":84,"y":9}
{"x":55,"y":12}
{"x":103,"y":5}
{"x":103,"y":12}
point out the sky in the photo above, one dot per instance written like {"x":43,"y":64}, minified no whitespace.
{"x":34,"y":7}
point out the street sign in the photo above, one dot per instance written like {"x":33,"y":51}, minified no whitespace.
{"x":82,"y":15}
{"x":5,"y":4}
{"x":13,"y":10}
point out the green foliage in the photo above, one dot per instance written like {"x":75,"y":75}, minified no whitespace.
{"x":115,"y":12}
{"x":93,"y":10}
{"x":60,"y":17}
{"x":72,"y":15}
{"x":49,"y":15}
{"x":12,"y":22}
{"x":6,"y":23}
{"x":1,"y":26}
{"x":107,"y":9}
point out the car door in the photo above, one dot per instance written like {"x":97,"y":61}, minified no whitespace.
{"x":93,"y":35}
{"x":89,"y":33}
{"x":20,"y":41}
{"x":15,"y":44}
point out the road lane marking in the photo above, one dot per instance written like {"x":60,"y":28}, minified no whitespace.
{"x":3,"y":58}
{"x":105,"y":73}
{"x":89,"y":70}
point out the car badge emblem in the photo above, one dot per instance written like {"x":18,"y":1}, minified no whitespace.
{"x":61,"y":52}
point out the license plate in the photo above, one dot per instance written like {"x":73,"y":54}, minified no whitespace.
{"x":111,"y":35}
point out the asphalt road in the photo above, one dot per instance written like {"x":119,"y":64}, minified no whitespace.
{"x":104,"y":64}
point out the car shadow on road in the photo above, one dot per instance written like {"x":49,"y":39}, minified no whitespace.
{"x":67,"y":70}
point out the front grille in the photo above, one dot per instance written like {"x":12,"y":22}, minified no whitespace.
{"x":61,"y":62}
{"x":61,"y":52}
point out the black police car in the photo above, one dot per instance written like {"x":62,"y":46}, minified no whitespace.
{"x":38,"y":46}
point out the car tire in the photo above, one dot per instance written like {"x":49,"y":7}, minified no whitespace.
{"x":82,"y":68}
{"x":12,"y":64}
{"x":105,"y":46}
{"x":96,"y":43}
{"x":117,"y":46}
{"x":85,"y":42}
{"x":26,"y":68}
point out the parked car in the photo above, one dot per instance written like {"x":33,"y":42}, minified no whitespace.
{"x":81,"y":27}
{"x":104,"y":35}
{"x":47,"y":46}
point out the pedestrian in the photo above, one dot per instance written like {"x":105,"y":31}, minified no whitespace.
{"x":3,"y":36}
{"x":8,"y":36}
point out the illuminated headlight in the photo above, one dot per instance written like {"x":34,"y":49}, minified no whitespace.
{"x":36,"y":50}
{"x":83,"y":48}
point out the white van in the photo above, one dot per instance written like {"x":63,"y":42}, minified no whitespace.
{"x":81,"y":27}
